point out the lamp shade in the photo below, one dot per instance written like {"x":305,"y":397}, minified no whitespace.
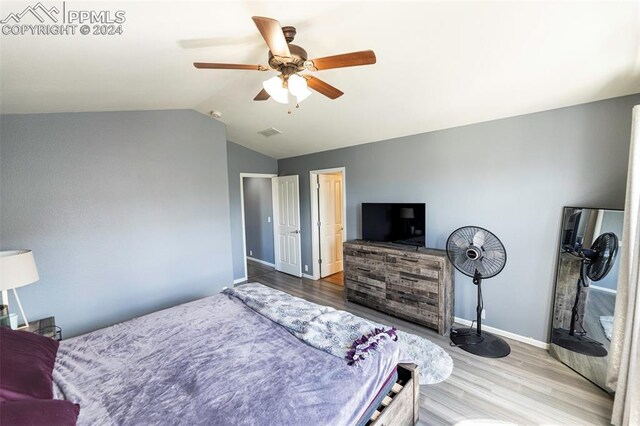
{"x":17,"y":269}
{"x":274,"y":88}
{"x":406,"y":213}
{"x":298,"y":87}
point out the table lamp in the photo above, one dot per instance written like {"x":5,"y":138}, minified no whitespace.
{"x":407,"y":214}
{"x":17,"y":269}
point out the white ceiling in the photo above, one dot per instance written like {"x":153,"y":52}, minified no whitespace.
{"x":440,"y":65}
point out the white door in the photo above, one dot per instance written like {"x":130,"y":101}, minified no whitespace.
{"x":331,"y":226}
{"x":286,"y":224}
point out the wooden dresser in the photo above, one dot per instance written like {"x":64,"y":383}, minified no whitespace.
{"x":413,"y":283}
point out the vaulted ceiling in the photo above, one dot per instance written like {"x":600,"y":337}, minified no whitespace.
{"x":440,"y":65}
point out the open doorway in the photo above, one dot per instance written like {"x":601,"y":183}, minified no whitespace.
{"x":328,"y":220}
{"x":256,"y":201}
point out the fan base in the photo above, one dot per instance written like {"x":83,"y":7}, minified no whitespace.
{"x":576,"y":343}
{"x":485,"y":345}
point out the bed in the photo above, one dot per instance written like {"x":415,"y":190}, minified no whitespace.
{"x":222,"y":360}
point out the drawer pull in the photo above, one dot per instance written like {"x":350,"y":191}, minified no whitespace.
{"x":364,"y":269}
{"x":410,"y":279}
{"x":406,"y":259}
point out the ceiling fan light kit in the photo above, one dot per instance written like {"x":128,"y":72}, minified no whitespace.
{"x":276,"y":90}
{"x":289,"y":60}
{"x":298,"y":87}
{"x":279,"y":87}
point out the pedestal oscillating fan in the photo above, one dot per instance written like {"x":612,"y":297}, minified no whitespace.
{"x":477,"y":253}
{"x":596,"y":264}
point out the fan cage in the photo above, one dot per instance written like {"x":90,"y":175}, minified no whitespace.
{"x":606,"y":245}
{"x":493,"y":266}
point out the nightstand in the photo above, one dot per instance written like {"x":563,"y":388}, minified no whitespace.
{"x":46,"y":327}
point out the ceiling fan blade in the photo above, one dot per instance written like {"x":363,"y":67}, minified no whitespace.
{"x":354,"y":59}
{"x":262,"y":96}
{"x":324,"y":88}
{"x":480,"y":267}
{"x":460,"y":242}
{"x":478,"y":239}
{"x":215,"y":66}
{"x":274,"y":37}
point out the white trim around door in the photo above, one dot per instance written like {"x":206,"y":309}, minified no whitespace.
{"x":315,"y":236}
{"x":244,"y":234}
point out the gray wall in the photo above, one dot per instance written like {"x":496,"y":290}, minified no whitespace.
{"x":258,"y":212}
{"x":126,"y":212}
{"x":511,"y":176}
{"x":612,"y":222}
{"x":242,"y":160}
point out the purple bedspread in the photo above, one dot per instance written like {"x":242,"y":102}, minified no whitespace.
{"x":214,"y":361}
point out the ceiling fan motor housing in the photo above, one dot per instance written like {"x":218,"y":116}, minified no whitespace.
{"x":289,"y":33}
{"x":286,"y":65}
{"x":474,"y":253}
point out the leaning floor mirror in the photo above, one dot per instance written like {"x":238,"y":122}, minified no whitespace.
{"x":585,"y":294}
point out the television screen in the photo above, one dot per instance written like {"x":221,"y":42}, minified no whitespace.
{"x":570,"y":232}
{"x":394,"y":222}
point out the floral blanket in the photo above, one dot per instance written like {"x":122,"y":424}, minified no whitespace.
{"x":341,"y":333}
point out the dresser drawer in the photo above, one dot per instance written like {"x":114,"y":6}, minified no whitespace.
{"x":364,"y":295}
{"x":373,"y":290}
{"x":425,"y":315}
{"x":409,"y":283}
{"x":413,"y":265}
{"x":372,"y":276}
{"x":365,"y":253}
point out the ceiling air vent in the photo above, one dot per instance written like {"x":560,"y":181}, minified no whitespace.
{"x":272,"y":131}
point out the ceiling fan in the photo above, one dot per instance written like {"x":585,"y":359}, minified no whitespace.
{"x":289,"y":60}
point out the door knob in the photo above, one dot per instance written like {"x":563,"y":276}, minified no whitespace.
{"x":297,"y":231}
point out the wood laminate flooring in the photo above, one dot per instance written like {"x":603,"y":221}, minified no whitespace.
{"x":599,"y":303}
{"x":528,"y":387}
{"x":255,"y":269}
{"x":337,"y":278}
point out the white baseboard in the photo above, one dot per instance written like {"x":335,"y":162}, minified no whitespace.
{"x":606,"y":290}
{"x":307,"y":276}
{"x":253,"y":259}
{"x":528,"y":340}
{"x":239,"y":280}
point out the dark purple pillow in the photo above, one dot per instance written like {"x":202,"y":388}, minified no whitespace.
{"x":26,"y":365}
{"x":37,"y":412}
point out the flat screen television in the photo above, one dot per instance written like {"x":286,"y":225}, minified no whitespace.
{"x":401,"y":223}
{"x":571,"y":232}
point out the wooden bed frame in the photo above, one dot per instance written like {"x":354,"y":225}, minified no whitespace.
{"x":401,"y":406}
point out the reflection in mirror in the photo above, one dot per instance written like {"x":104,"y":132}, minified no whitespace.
{"x":586,"y":282}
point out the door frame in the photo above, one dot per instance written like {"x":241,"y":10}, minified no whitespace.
{"x":315,"y":236}
{"x":244,"y":234}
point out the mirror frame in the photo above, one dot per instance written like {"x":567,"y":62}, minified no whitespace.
{"x":555,"y":287}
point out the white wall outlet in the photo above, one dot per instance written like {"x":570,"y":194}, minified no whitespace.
{"x":269,"y":219}
{"x":483,"y":315}
{"x":306,"y":268}
{"x":250,"y":252}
